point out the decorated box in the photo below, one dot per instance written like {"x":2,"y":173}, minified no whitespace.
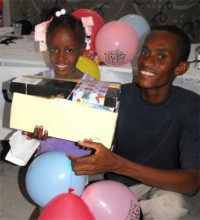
{"x":95,"y":92}
{"x":73,"y":112}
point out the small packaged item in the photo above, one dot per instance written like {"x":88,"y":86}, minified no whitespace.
{"x":22,"y":149}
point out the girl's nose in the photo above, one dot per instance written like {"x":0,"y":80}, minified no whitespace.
{"x":61,"y":56}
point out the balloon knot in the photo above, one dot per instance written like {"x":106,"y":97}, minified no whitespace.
{"x":70,"y":190}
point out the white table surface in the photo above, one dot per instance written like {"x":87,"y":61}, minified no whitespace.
{"x":17,"y":59}
{"x":24,"y":58}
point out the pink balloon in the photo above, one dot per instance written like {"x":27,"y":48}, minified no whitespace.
{"x":116,"y":43}
{"x":66,"y":206}
{"x":111,"y":200}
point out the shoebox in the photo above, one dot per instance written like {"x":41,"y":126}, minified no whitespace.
{"x":96,"y":92}
{"x":64,"y":119}
{"x":90,"y":112}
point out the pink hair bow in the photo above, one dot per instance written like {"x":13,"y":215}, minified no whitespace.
{"x":40,"y":34}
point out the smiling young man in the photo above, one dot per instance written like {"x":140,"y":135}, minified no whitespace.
{"x":156,"y":146}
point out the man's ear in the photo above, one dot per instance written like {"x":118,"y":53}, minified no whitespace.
{"x":182,"y":68}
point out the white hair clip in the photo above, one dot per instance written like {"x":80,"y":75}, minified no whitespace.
{"x":40,"y":34}
{"x":87,"y":41}
{"x":61,"y":12}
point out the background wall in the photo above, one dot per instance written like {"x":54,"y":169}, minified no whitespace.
{"x":183,"y":13}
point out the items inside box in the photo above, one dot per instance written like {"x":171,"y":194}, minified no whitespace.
{"x":94,"y":92}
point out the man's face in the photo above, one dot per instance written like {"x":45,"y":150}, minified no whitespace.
{"x":64,"y":51}
{"x":158,"y":59}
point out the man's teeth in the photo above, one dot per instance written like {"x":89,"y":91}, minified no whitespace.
{"x":147,"y":73}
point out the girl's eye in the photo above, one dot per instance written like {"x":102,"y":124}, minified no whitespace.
{"x":70,"y":50}
{"x":161,"y":57}
{"x":53,"y":50}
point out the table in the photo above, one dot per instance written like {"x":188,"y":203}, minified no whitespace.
{"x":23,"y":58}
{"x":17,"y":59}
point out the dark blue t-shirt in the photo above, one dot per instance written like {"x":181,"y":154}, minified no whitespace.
{"x":164,"y":135}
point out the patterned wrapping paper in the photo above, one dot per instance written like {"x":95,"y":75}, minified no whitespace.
{"x":93,"y":92}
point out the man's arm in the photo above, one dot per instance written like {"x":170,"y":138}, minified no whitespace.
{"x":184,"y":181}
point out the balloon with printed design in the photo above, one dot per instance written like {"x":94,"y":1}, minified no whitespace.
{"x":111,"y":200}
{"x":116,"y":43}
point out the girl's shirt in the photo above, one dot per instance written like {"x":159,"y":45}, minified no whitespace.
{"x":51,"y":74}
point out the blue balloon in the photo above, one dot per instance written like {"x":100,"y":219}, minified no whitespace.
{"x":49,"y":175}
{"x":139,"y":24}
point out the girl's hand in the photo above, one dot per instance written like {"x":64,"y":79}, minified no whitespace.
{"x":38,"y":133}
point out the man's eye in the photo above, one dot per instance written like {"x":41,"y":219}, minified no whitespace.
{"x":161,"y":57}
{"x":144,"y":52}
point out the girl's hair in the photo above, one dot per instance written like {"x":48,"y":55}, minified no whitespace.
{"x":70,"y":22}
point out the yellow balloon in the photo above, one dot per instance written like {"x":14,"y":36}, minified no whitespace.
{"x":88,"y":66}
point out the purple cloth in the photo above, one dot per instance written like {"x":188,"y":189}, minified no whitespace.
{"x":68,"y":147}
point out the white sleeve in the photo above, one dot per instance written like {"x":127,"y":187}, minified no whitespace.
{"x":22,"y":148}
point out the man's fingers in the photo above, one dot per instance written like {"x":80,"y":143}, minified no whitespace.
{"x":89,"y":144}
{"x":78,"y":160}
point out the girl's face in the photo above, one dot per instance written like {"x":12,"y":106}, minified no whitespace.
{"x":64,"y":51}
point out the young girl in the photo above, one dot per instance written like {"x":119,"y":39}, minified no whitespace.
{"x":65,"y":39}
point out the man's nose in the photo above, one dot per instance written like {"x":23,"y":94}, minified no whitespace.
{"x":149,"y":61}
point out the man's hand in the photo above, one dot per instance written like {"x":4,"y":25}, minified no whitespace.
{"x":103,"y":160}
